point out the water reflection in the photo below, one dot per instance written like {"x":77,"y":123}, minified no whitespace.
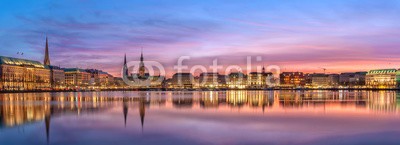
{"x":18,"y":109}
{"x":26,"y":108}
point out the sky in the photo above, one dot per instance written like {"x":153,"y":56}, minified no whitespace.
{"x":340,"y":35}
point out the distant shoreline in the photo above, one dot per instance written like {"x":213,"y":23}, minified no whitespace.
{"x":138,"y":90}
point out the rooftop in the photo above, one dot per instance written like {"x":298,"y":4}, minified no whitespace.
{"x":20,"y":62}
{"x":382,"y":71}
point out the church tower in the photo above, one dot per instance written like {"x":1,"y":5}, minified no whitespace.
{"x":126,"y":67}
{"x":46,"y":55}
{"x":141,"y":66}
{"x":263,"y":70}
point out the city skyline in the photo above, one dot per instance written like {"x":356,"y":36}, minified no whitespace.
{"x":293,"y":35}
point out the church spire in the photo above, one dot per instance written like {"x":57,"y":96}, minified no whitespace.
{"x":126,"y":66}
{"x":263,"y":69}
{"x":46,"y":55}
{"x":142,"y":69}
{"x":141,"y":55}
{"x":125,"y":59}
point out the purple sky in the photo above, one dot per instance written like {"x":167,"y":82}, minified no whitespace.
{"x":342,"y":35}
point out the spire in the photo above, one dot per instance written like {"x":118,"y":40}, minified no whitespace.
{"x":46,"y":55}
{"x":142,"y":69}
{"x":125,"y":59}
{"x":126,"y":67}
{"x":141,"y":55}
{"x":263,"y":69}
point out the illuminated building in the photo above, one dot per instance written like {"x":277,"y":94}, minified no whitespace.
{"x":256,"y":80}
{"x":333,"y":80}
{"x":209,"y":80}
{"x":75,"y":77}
{"x":320,"y":80}
{"x":182,"y":81}
{"x":222,"y":81}
{"x":100,"y":78}
{"x":292,"y":79}
{"x":157,"y":81}
{"x":22,"y":74}
{"x":57,"y":77}
{"x":383,"y":78}
{"x":237,"y":80}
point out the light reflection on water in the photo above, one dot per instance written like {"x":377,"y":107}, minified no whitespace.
{"x":224,"y":117}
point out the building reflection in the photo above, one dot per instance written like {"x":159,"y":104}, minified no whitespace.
{"x":23,"y":108}
{"x":183,"y":102}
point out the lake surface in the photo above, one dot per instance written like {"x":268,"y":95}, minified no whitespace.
{"x":214,"y":117}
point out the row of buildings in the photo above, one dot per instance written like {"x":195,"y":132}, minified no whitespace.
{"x":21,"y":75}
{"x":373,"y":79}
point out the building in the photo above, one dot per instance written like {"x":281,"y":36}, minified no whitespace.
{"x":359,"y":78}
{"x":333,"y":80}
{"x":320,"y":80}
{"x":157,"y":81}
{"x":57,"y":77}
{"x":75,"y":77}
{"x":258,"y":80}
{"x":209,"y":80}
{"x":21,"y":74}
{"x":383,"y":79}
{"x":222,"y":81}
{"x":182,"y":81}
{"x":292,"y":79}
{"x":352,"y":79}
{"x":100,"y":78}
{"x":237,"y":80}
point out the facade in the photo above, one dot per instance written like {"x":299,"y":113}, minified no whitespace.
{"x":320,"y":80}
{"x":100,"y":78}
{"x":237,"y":80}
{"x":157,"y":81}
{"x":21,"y":74}
{"x":352,"y":79}
{"x":57,"y":77}
{"x":209,"y":80}
{"x":75,"y":77}
{"x":333,"y":80}
{"x":256,"y":80}
{"x":182,"y":81}
{"x":359,"y":78}
{"x":383,"y":79}
{"x":292,"y":79}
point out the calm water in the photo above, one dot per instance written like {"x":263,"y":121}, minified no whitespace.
{"x":231,"y":117}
